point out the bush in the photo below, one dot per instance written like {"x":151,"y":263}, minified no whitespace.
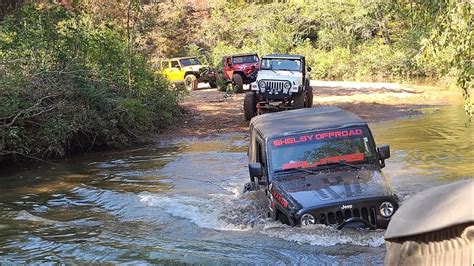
{"x":64,"y":86}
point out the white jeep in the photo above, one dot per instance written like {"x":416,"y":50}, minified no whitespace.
{"x":282,"y":83}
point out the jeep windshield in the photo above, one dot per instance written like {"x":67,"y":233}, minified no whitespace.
{"x":244,"y":59}
{"x":314,"y":149}
{"x":281,"y":64}
{"x":189,"y":62}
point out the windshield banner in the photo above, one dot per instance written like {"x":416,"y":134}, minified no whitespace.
{"x":315,"y":137}
{"x":333,"y":159}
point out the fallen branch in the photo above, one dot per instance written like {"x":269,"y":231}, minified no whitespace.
{"x":22,"y":112}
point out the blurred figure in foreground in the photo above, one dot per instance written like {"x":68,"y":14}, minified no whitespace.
{"x":434,"y":227}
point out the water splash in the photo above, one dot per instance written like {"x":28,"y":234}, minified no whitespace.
{"x":322,"y":235}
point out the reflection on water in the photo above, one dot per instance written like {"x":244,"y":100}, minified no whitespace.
{"x":428,"y":150}
{"x":182,"y":201}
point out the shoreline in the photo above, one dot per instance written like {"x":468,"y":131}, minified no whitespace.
{"x":209,"y":112}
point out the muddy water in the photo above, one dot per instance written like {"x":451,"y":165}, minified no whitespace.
{"x":181,"y":201}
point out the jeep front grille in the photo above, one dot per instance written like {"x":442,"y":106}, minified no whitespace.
{"x":367,"y":213}
{"x":274,"y":84}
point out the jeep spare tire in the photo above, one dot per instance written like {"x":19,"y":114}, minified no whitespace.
{"x":190,"y":82}
{"x":238,"y":83}
{"x":250,"y":105}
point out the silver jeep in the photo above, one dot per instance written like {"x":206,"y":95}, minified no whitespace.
{"x":282,"y":83}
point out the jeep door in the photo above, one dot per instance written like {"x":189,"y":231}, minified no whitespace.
{"x":165,"y":68}
{"x":175,"y":71}
{"x":228,"y":71}
{"x":257,"y":152}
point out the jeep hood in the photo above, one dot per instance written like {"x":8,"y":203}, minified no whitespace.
{"x":334,"y":187}
{"x":295,"y":76}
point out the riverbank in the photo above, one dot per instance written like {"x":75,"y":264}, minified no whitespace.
{"x":211,"y":112}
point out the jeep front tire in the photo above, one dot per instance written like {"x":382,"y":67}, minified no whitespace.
{"x":190,"y":82}
{"x":299,"y":100}
{"x":309,"y":97}
{"x":238,"y":83}
{"x":250,"y":105}
{"x":213,"y":84}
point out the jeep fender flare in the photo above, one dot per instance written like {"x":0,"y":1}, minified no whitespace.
{"x":279,"y":214}
{"x":278,"y":210}
{"x":191,"y":73}
{"x":239,"y":72}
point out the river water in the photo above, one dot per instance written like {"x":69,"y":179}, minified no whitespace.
{"x":181,"y":201}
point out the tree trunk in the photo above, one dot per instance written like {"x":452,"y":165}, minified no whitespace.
{"x":129,"y":44}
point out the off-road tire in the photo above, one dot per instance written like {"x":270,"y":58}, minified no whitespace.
{"x":309,"y":97}
{"x":250,"y":105}
{"x":191,"y":82}
{"x":238,"y":83}
{"x":300,"y":100}
{"x":213,"y":84}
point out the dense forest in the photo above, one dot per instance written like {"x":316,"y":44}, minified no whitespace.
{"x":80,"y":74}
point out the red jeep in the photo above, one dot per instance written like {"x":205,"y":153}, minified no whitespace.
{"x":240,"y":69}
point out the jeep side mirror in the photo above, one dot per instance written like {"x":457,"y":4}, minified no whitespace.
{"x":255,"y":170}
{"x":384,"y":151}
{"x":308,"y":69}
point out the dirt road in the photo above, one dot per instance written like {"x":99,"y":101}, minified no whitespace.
{"x":209,"y":112}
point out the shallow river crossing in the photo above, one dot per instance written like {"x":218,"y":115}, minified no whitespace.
{"x":182,"y":201}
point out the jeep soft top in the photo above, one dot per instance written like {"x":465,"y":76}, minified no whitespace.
{"x":300,"y":120}
{"x":284,"y":56}
{"x":240,"y":55}
{"x":178,"y":58}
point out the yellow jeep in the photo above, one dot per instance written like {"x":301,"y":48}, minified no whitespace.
{"x":188,"y":70}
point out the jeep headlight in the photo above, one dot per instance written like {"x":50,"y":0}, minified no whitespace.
{"x":261,"y":84}
{"x":307,"y":219}
{"x":386,"y":209}
{"x":287,"y":85}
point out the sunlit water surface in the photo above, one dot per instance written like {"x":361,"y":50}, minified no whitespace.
{"x":182,"y":201}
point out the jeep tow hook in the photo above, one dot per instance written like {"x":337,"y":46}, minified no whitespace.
{"x":355,"y":220}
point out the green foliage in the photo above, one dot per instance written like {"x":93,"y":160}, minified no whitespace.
{"x":348,"y":39}
{"x":64,"y":85}
{"x":449,"y":45}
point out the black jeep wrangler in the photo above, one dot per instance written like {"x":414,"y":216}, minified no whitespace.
{"x":320,"y":165}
